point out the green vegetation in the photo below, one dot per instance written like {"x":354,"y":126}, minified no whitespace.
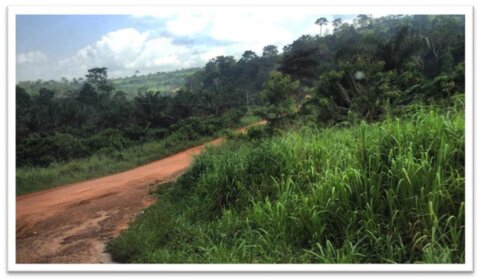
{"x":65,"y":131}
{"x":249,"y":119}
{"x":362,"y":160}
{"x":186,"y":134}
{"x":369,"y":167}
{"x":168,"y":82}
{"x":155,"y":82}
{"x":31,"y":179}
{"x":386,"y":192}
{"x":97,"y":117}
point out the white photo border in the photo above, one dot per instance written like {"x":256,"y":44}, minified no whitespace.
{"x":125,"y":10}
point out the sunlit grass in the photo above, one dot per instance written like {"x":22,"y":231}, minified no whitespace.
{"x":388,"y":192}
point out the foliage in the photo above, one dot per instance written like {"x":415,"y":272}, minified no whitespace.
{"x":362,"y":160}
{"x":108,"y":160}
{"x":167,"y":82}
{"x":388,"y":192}
{"x":361,"y":71}
{"x":278,"y":92}
{"x":109,"y":151}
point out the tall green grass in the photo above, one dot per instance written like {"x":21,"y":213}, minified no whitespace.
{"x":388,"y":192}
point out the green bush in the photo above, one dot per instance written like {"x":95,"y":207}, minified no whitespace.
{"x":259,"y":132}
{"x":44,"y":150}
{"x":31,"y":179}
{"x":64,"y":158}
{"x":108,"y":141}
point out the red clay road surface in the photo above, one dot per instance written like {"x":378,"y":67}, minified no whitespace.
{"x":72,"y":223}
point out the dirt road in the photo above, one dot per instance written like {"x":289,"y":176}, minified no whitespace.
{"x":72,"y":223}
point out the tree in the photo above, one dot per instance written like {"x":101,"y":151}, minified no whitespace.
{"x":337,"y":22}
{"x":115,"y":111}
{"x":363,"y":20}
{"x":151,"y":110}
{"x":88,"y":94}
{"x":98,"y":78}
{"x":270,"y":51}
{"x":247,"y":68}
{"x":445,"y":38}
{"x":219,"y":72}
{"x":23,"y":104}
{"x":269,"y":62}
{"x":321,"y":21}
{"x":301,"y":64}
{"x":248,"y":56}
{"x":183,"y":104}
{"x":45,"y":95}
{"x":401,"y":48}
{"x":278,"y":92}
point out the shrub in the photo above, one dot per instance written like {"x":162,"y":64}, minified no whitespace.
{"x":46,"y":149}
{"x":108,"y":141}
{"x":259,"y":132}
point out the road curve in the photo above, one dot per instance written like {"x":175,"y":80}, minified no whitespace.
{"x":72,"y":223}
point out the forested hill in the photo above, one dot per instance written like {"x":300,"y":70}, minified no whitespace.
{"x":131,"y":85}
{"x":362,"y":71}
{"x":362,"y":160}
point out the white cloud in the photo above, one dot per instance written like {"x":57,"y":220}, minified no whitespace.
{"x":123,"y":41}
{"x":125,"y":51}
{"x":244,"y":28}
{"x":215,"y":52}
{"x":248,"y":30}
{"x":187,"y":25}
{"x":115,"y":48}
{"x":156,"y":52}
{"x":252,"y":29}
{"x":32,"y":57}
{"x":207,"y":33}
{"x":32,"y":64}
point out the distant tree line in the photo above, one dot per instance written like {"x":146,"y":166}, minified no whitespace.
{"x":97,"y":117}
{"x":361,"y":70}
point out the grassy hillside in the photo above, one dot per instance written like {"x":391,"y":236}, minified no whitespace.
{"x":161,"y":81}
{"x":387,"y":192}
{"x":158,"y":82}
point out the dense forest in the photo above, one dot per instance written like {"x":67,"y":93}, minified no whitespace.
{"x":99,"y":117}
{"x":360,"y":71}
{"x":362,"y":159}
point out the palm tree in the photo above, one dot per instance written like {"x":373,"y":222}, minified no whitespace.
{"x":321,"y":21}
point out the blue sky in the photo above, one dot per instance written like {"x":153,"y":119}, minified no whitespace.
{"x":46,"y":32}
{"x":56,"y":46}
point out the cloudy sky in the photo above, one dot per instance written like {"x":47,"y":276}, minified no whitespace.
{"x":56,"y":46}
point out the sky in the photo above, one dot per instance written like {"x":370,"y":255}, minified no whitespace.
{"x":55,"y":46}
